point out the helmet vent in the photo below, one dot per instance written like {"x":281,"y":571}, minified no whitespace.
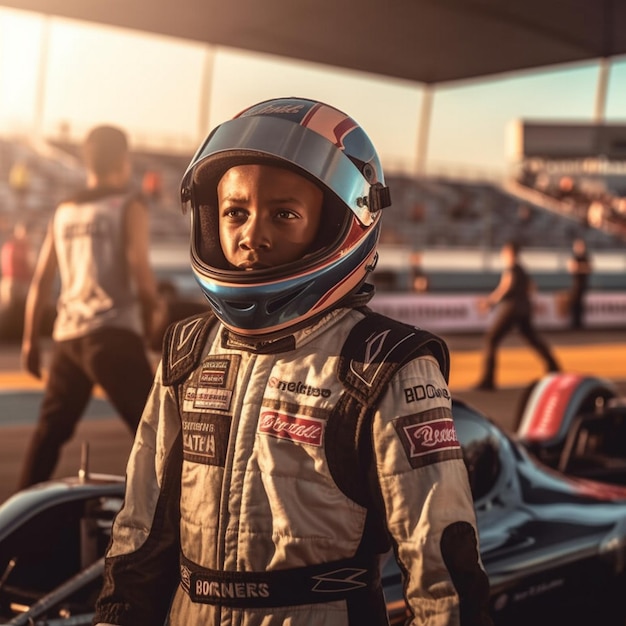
{"x":241,"y":306}
{"x":277,"y":304}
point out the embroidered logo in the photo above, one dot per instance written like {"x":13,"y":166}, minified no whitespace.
{"x":428,"y":437}
{"x":424,"y":392}
{"x":205,"y":438}
{"x":185,"y":577}
{"x":183,"y":342}
{"x":213,"y":387}
{"x":373,"y":355}
{"x":296,"y":428}
{"x":344,"y":579}
{"x":298,"y":387}
{"x":199,"y":440}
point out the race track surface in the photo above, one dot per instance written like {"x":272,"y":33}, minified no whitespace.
{"x":595,"y":352}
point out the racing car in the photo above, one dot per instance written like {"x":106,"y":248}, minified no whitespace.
{"x":550,"y":503}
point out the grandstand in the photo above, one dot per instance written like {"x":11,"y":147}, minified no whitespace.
{"x":438,"y":212}
{"x":428,"y":214}
{"x":55,"y":171}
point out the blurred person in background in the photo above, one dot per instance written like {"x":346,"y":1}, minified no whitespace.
{"x":579,"y":267}
{"x":16,"y":270}
{"x":152,"y":186}
{"x":98,"y":243}
{"x":418,"y":277}
{"x":16,"y":267}
{"x":513,"y":299}
{"x":19,"y":182}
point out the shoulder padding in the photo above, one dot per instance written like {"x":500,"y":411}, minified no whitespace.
{"x":183,"y":345}
{"x":377,"y":347}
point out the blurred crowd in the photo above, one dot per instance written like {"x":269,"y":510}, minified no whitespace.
{"x":586,"y":199}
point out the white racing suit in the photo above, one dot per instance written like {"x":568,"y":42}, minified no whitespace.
{"x":266,"y":480}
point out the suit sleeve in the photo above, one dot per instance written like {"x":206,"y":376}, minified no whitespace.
{"x":428,"y":505}
{"x":142,"y":561}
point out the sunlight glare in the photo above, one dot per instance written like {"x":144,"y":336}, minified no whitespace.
{"x":20,"y":39}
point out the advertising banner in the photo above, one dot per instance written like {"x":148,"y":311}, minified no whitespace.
{"x":462,"y":313}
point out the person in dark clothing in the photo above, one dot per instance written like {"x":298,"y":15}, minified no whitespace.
{"x":579,"y":266}
{"x":97,"y":243}
{"x":512,"y":296}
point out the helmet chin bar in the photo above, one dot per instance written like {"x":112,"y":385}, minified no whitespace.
{"x":250,"y":308}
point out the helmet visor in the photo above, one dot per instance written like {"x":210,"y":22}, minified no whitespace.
{"x":289,"y":143}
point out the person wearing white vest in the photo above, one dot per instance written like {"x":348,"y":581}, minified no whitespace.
{"x":97,"y":243}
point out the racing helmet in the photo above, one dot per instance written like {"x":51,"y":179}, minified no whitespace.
{"x":325,"y":146}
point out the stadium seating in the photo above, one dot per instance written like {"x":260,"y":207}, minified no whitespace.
{"x":427,"y":212}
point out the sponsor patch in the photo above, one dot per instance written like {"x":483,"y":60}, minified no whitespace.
{"x":296,"y":428}
{"x":416,"y":393}
{"x":298,"y":388}
{"x":205,"y":438}
{"x":205,"y":589}
{"x":428,"y":437}
{"x":212,"y":387}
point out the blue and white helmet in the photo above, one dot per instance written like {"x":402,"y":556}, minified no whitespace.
{"x":325,"y":146}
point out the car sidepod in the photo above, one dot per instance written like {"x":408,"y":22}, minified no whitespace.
{"x":554,"y":547}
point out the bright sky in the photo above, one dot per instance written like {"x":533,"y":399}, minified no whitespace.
{"x":55,"y":71}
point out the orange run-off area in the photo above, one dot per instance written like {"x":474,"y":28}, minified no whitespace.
{"x":517,"y":366}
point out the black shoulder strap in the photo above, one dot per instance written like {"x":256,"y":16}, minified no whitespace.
{"x":183,"y":344}
{"x":376,"y":348}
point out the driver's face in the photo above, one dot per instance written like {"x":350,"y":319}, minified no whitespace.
{"x":268,"y":216}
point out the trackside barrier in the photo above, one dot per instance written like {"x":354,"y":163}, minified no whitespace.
{"x":461,"y":312}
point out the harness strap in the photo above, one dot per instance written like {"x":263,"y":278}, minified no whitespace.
{"x":326,"y":582}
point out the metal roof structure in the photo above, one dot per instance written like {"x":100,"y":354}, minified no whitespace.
{"x":428,"y":41}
